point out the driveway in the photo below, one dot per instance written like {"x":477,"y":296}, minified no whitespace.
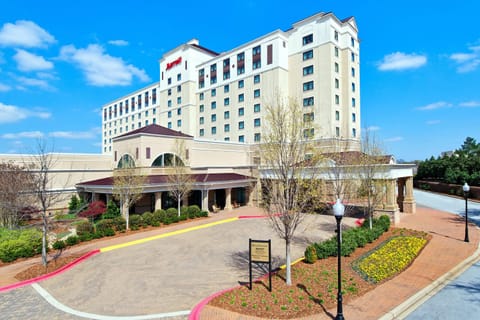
{"x":174,"y":273}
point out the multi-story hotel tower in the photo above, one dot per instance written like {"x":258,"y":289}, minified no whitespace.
{"x":222,"y":96}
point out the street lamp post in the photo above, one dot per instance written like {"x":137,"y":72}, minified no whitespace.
{"x":466,"y":189}
{"x":338,"y":211}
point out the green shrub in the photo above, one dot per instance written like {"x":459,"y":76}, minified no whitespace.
{"x":119,"y":223}
{"x":112,"y":211}
{"x":136,"y":221}
{"x":13,"y":249}
{"x":84,"y":227}
{"x":183,"y":217}
{"x":59,"y":245}
{"x":349,"y":244}
{"x":384,"y":222}
{"x":159,"y":215}
{"x":310,"y":254}
{"x":151,"y":219}
{"x":108,"y":232}
{"x":193,"y":211}
{"x":86,"y":236}
{"x":72,"y":240}
{"x":203,"y":213}
{"x":184,"y":211}
{"x":172,"y":212}
{"x":360,"y":236}
{"x":103,"y":225}
{"x":326,"y":248}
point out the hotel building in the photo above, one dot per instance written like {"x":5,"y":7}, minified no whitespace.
{"x":222,"y":96}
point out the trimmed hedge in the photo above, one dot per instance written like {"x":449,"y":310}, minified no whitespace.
{"x":16,"y":244}
{"x":351,"y":239}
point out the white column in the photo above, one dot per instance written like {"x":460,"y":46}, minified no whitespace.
{"x":228,"y":199}
{"x":158,"y":200}
{"x":205,"y":200}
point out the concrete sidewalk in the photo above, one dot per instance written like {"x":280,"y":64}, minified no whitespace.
{"x":441,"y":260}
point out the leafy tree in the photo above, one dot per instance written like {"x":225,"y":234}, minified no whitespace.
{"x":95,"y":209}
{"x":179,"y":176}
{"x":112,"y":210}
{"x":73,"y":204}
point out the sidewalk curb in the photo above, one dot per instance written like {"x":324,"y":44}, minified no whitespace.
{"x":408,"y":306}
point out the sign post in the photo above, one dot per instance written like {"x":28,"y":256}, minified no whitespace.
{"x":260,"y":251}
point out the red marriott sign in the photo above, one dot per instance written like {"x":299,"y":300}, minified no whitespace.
{"x":172,"y":64}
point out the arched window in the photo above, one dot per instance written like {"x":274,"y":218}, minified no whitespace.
{"x":126,"y":161}
{"x":168,"y":160}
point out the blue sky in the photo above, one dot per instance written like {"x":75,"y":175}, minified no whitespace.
{"x":60,"y":61}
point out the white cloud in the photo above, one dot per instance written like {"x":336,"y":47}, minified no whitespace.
{"x":433,"y":122}
{"x":9,"y":113}
{"x":402,"y":61}
{"x":27,"y":61}
{"x":394,"y":139}
{"x":435,"y":105}
{"x":25,"y":34}
{"x":372,"y":128}
{"x":470,"y":104}
{"x":120,"y":43}
{"x":4,"y":87}
{"x":72,"y":134}
{"x":467,"y":62}
{"x":32,"y":82}
{"x":25,"y":134}
{"x":102,"y":69}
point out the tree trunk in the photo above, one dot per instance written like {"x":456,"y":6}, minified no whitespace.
{"x":178,"y":206}
{"x":288,"y":263}
{"x":126,"y":215}
{"x":44,"y":239}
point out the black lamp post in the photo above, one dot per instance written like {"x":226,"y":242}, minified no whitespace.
{"x":466,"y":189}
{"x":338,"y":211}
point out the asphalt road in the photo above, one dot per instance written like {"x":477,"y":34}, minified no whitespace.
{"x":460,"y":299}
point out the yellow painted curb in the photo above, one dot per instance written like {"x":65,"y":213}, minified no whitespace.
{"x":165,"y":235}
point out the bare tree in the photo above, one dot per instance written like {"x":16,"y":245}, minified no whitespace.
{"x":15,"y":182}
{"x":179,"y":179}
{"x":46,"y":195}
{"x":289,"y":161}
{"x":370,"y":170}
{"x":128,"y":184}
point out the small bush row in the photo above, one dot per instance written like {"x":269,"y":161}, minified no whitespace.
{"x":20,"y":244}
{"x":351,"y":239}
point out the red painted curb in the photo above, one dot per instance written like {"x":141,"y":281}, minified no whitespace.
{"x":51,"y":274}
{"x":195,"y":314}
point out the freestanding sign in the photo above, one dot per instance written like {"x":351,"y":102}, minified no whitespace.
{"x":260,"y":251}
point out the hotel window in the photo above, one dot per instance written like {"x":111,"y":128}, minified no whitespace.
{"x":213,"y":73}
{"x":308,"y":133}
{"x":154,"y":98}
{"x":308,"y":117}
{"x":169,"y":92}
{"x":202,"y":107}
{"x":214,"y":130}
{"x":308,"y":70}
{"x":213,"y":105}
{"x":241,"y":138}
{"x":256,"y":58}
{"x":353,"y":57}
{"x":354,"y":117}
{"x":202,"y":120}
{"x":213,"y":117}
{"x":256,"y":78}
{"x":335,"y":35}
{"x":202,"y":132}
{"x":226,"y":128}
{"x":269,"y":54}
{"x":169,"y":125}
{"x":179,"y":111}
{"x":353,"y":87}
{"x":337,"y":115}
{"x":256,"y":107}
{"x":201,"y":78}
{"x":169,"y":80}
{"x":241,"y":63}
{"x":179,"y":77}
{"x":226,"y":69}
{"x":354,"y":133}
{"x":241,"y":112}
{"x":256,"y":137}
{"x":336,"y":67}
{"x":307,"y":39}
{"x":179,"y":100}
{"x":202,"y":96}
{"x":226,"y":139}
{"x":146,"y":115}
{"x":213,"y":92}
{"x":256,"y":122}
{"x":154,"y":110}
{"x":308,"y":101}
{"x":353,"y":102}
{"x":146,"y":124}
{"x":169,"y":103}
{"x":336,"y":52}
{"x":337,"y":84}
{"x":226,"y":115}
{"x":154,"y":120}
{"x":308,"y":86}
{"x":353,"y":72}
{"x":241,"y":125}
{"x":179,"y":123}
{"x":241,"y":84}
{"x":352,"y":42}
{"x":337,"y":132}
{"x":256,"y":93}
{"x":308,"y":55}
{"x":226,"y":101}
{"x":146,"y":99}
{"x":179,"y":88}
{"x":337,"y":99}
{"x":226,"y":88}
{"x":241,"y":97}
{"x":226,"y":75}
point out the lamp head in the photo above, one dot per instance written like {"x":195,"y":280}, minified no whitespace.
{"x":338,"y":209}
{"x":466,"y":187}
